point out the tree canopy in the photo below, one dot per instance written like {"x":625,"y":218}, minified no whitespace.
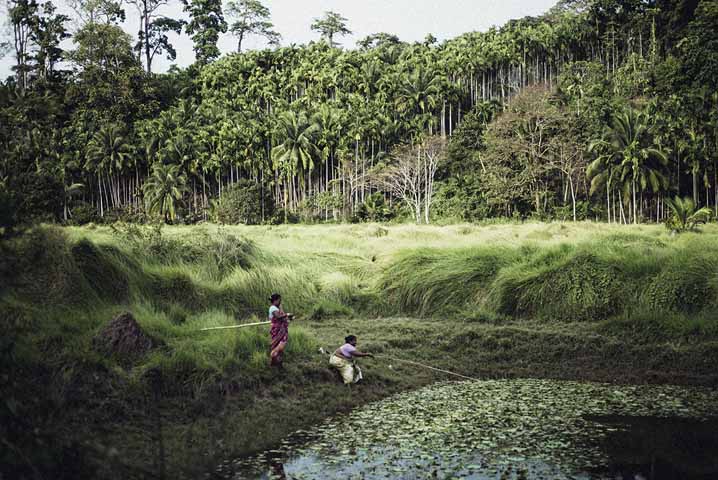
{"x":597,"y":109}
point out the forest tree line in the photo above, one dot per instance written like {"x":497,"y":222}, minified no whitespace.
{"x":598,"y":109}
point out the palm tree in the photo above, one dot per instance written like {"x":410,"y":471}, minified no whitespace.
{"x":70,"y":191}
{"x":329,"y":128}
{"x":108,"y":150}
{"x":695,"y":155}
{"x":419,"y":92}
{"x":297,"y":149}
{"x":630,"y":151}
{"x":164,"y":190}
{"x":685,"y":215}
{"x":602,"y":172}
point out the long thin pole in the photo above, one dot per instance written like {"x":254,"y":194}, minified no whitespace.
{"x":427,"y":366}
{"x":234,"y":326}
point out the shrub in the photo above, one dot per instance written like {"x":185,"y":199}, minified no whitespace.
{"x":375,"y":209}
{"x":308,"y":210}
{"x":83,"y":213}
{"x":281,"y":216}
{"x":243,"y":202}
{"x":38,"y":197}
{"x":330,"y":202}
{"x":8,"y":220}
{"x":126,"y":214}
{"x":462,"y":200}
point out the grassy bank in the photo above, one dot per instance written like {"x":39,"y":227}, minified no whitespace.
{"x":579,"y":301}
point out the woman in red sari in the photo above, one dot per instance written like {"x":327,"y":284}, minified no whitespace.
{"x":279,"y":332}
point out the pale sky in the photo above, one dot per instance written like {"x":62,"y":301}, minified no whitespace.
{"x":410,"y":20}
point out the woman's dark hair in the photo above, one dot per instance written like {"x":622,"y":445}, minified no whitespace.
{"x":273,"y":297}
{"x":348,"y":339}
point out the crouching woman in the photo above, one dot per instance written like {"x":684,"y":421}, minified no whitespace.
{"x":343,"y":359}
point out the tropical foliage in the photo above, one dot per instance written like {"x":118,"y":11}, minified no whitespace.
{"x":164,"y":191}
{"x":598,"y":109}
{"x":685,"y":216}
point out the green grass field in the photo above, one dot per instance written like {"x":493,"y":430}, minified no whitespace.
{"x":581,"y":301}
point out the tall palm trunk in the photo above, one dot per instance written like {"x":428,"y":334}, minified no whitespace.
{"x":99,"y":194}
{"x":633,"y":188}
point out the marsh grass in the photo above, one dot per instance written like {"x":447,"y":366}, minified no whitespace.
{"x":517,"y":299}
{"x":180,"y":279}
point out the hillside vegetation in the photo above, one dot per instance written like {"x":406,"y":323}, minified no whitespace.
{"x":599,"y":109}
{"x":582,"y":301}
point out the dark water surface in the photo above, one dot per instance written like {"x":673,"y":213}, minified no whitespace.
{"x":507,"y":429}
{"x":660,"y":448}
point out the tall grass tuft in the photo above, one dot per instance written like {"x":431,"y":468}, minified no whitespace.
{"x":561,"y":284}
{"x":432,"y":281}
{"x":686,"y":282}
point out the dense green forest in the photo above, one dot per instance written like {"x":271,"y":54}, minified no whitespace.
{"x":598,"y":109}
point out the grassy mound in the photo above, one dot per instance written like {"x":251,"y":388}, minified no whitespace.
{"x":562,"y":284}
{"x":616,"y":276}
{"x":102,"y":269}
{"x":686,"y":283}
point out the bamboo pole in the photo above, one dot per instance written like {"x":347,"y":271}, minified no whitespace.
{"x":234,"y":326}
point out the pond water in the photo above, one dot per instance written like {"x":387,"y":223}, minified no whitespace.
{"x":507,"y":429}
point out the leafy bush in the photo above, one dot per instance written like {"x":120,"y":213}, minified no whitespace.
{"x":281,"y":216}
{"x":309,"y":211}
{"x":242,"y":203}
{"x":38,"y":197}
{"x":8,"y":220}
{"x":331,"y":202}
{"x":462,"y":200}
{"x":375,"y":209}
{"x":565,"y":212}
{"x":83,"y":213}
